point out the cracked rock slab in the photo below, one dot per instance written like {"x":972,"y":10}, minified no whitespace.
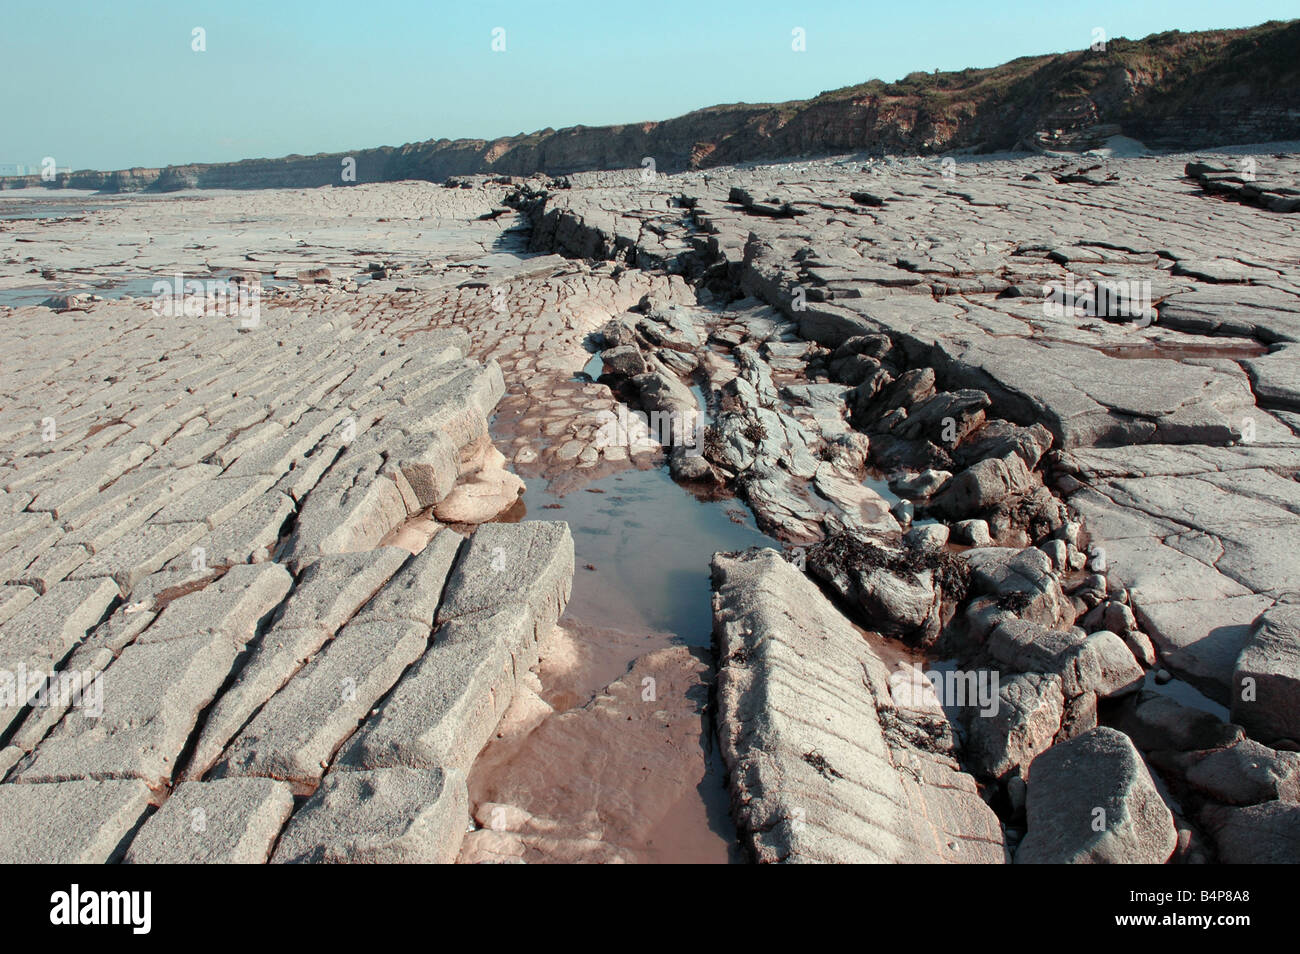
{"x":445,"y":709}
{"x":529,"y":563}
{"x":814,"y":776}
{"x":226,"y":821}
{"x":68,"y":822}
{"x":414,"y":592}
{"x":388,"y":816}
{"x":295,"y":735}
{"x":351,"y":509}
{"x":232,"y":605}
{"x":328,"y":593}
{"x":1255,"y":834}
{"x":153,"y":695}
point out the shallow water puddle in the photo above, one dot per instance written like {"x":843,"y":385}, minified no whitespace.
{"x":112,"y":288}
{"x":1185,"y":694}
{"x":31,"y":210}
{"x":1235,"y":349}
{"x":592,"y":370}
{"x":642,"y":546}
{"x":627,"y":767}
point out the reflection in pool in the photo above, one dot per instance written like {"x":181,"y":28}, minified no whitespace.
{"x":650,"y":542}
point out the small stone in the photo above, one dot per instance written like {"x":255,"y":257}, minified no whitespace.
{"x":1091,"y":590}
{"x":1058,"y":552}
{"x":975,"y":533}
{"x":930,"y":536}
{"x":903,"y":512}
{"x":925,"y":484}
{"x":1117,"y":618}
{"x":1140,"y":645}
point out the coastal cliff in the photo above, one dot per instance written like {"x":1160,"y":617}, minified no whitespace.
{"x":1170,"y":90}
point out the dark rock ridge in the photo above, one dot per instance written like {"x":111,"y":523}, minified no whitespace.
{"x":1170,"y":90}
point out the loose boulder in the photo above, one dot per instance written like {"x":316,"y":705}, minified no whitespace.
{"x":1092,"y":801}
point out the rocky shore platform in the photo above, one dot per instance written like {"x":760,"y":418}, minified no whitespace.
{"x":1020,"y":435}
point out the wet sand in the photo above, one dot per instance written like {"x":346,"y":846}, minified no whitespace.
{"x":639,"y":777}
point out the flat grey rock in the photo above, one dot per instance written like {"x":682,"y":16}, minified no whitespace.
{"x":351,"y":509}
{"x":1267,"y":834}
{"x":1266,"y":678}
{"x":529,"y":563}
{"x":37,"y":638}
{"x":68,"y":822}
{"x":295,"y":735}
{"x":1247,"y":773}
{"x":153,"y":694}
{"x":327,"y":595}
{"x":248,"y":536}
{"x":227,"y":821}
{"x":331,"y":590}
{"x":414,"y":592}
{"x":445,"y":710}
{"x":231,"y":606}
{"x":131,"y":558}
{"x":388,"y":816}
{"x":1276,"y":378}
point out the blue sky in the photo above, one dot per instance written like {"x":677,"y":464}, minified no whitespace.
{"x":109,"y":85}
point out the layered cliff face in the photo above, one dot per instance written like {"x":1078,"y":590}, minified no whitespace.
{"x":1170,"y":90}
